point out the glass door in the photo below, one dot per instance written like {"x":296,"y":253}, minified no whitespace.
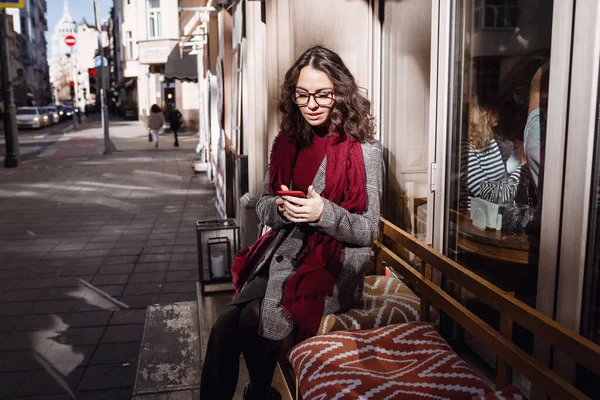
{"x":502,"y":84}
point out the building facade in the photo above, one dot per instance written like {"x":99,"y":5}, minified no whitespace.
{"x":150,"y":32}
{"x":30,"y":26}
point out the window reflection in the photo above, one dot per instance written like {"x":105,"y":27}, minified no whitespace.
{"x":499,"y":106}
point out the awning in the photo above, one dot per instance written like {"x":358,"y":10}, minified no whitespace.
{"x":181,"y":67}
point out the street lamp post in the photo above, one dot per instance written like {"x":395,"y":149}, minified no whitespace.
{"x":11,"y":157}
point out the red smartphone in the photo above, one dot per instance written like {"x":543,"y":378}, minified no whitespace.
{"x":293,"y":193}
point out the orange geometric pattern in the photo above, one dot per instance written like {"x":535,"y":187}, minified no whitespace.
{"x":385,"y":301}
{"x":402,"y":361}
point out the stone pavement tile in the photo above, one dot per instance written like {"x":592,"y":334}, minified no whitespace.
{"x":182,"y":276}
{"x":93,"y":253}
{"x":81,"y":336}
{"x":85,"y":262}
{"x":60,"y":294}
{"x":38,"y":283}
{"x":116,"y":269}
{"x":80,"y":270}
{"x":46,"y":397}
{"x":39,"y":247}
{"x":113,"y":279}
{"x":123,"y":333}
{"x":157,"y":249}
{"x":39,"y":255}
{"x":44,"y":272}
{"x":155,"y":258}
{"x":116,"y":353}
{"x":68,"y":357}
{"x":164,"y":237}
{"x":130,"y":316}
{"x":69,"y":246}
{"x":151,"y":267}
{"x":112,"y":394}
{"x":39,"y":322}
{"x":9,"y":382}
{"x":100,"y":245}
{"x":147,"y":277}
{"x":7,"y":324}
{"x":135,"y":237}
{"x":14,"y":309}
{"x":8,"y":284}
{"x":152,"y":242}
{"x":126,"y":251}
{"x":21,"y":295}
{"x":140,"y":301}
{"x":184,"y":257}
{"x":179,"y":287}
{"x":108,"y":376}
{"x":17,"y":341}
{"x":120,"y":259}
{"x":167,"y":298}
{"x":142,"y":288}
{"x":112,"y":290}
{"x":48,"y":241}
{"x":183,"y":265}
{"x":62,"y":254}
{"x":130,"y":243}
{"x":14,"y":272}
{"x":88,"y":319}
{"x":41,"y":382}
{"x":106,"y":238}
{"x":15,"y":361}
{"x":53,"y":306}
{"x":70,"y":281}
{"x":185,"y":249}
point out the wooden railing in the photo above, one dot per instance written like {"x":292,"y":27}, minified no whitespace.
{"x":511,"y":310}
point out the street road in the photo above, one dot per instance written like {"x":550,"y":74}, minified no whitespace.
{"x":33,"y":142}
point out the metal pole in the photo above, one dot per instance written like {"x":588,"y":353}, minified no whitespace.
{"x":11,"y":157}
{"x":103,"y":72}
{"x":74,"y":80}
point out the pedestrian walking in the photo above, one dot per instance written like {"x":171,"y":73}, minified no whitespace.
{"x":175,"y":120}
{"x":155,"y":122}
{"x":313,"y":260}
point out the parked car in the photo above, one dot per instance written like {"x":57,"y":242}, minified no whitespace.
{"x":28,"y":118}
{"x":69,"y":112}
{"x":53,"y":111}
{"x":45,"y":116}
{"x":62,"y":113}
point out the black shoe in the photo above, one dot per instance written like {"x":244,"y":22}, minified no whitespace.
{"x":176,"y":144}
{"x":272,"y":394}
{"x":156,"y":145}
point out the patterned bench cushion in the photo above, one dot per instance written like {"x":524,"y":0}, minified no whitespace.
{"x":385,"y":301}
{"x":402,"y":361}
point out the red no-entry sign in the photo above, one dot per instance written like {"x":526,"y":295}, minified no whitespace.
{"x":70,"y":40}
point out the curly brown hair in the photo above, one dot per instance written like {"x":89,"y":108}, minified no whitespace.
{"x":351,"y":115}
{"x":482,"y":124}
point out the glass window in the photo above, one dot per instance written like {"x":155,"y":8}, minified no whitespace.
{"x":129,"y":45}
{"x":154,"y":25}
{"x":496,"y":146}
{"x":590,"y":317}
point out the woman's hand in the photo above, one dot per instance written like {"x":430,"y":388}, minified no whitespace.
{"x":300,"y":210}
{"x":279,"y":201}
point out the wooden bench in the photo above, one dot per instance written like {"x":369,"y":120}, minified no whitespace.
{"x":391,"y":244}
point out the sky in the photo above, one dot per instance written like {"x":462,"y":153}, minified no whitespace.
{"x":79,"y":9}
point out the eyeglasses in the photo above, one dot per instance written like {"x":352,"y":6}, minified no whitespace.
{"x":321,"y":98}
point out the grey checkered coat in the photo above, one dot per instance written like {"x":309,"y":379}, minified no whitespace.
{"x":357,"y":232}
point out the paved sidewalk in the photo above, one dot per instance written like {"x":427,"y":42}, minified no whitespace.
{"x":87,"y":242}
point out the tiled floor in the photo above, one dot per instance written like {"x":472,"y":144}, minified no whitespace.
{"x":85,"y":245}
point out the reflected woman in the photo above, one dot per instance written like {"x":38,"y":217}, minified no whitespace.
{"x":312,"y":262}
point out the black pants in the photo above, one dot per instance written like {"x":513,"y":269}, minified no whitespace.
{"x":175,"y":134}
{"x":235,"y":332}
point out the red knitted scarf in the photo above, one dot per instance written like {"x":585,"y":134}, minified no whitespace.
{"x":318,"y":264}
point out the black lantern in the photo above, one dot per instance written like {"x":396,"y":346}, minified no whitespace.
{"x":217,"y":242}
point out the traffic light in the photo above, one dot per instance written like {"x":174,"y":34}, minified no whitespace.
{"x":72,"y":87}
{"x":93,"y":81}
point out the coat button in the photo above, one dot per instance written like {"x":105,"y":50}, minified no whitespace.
{"x":279,"y":258}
